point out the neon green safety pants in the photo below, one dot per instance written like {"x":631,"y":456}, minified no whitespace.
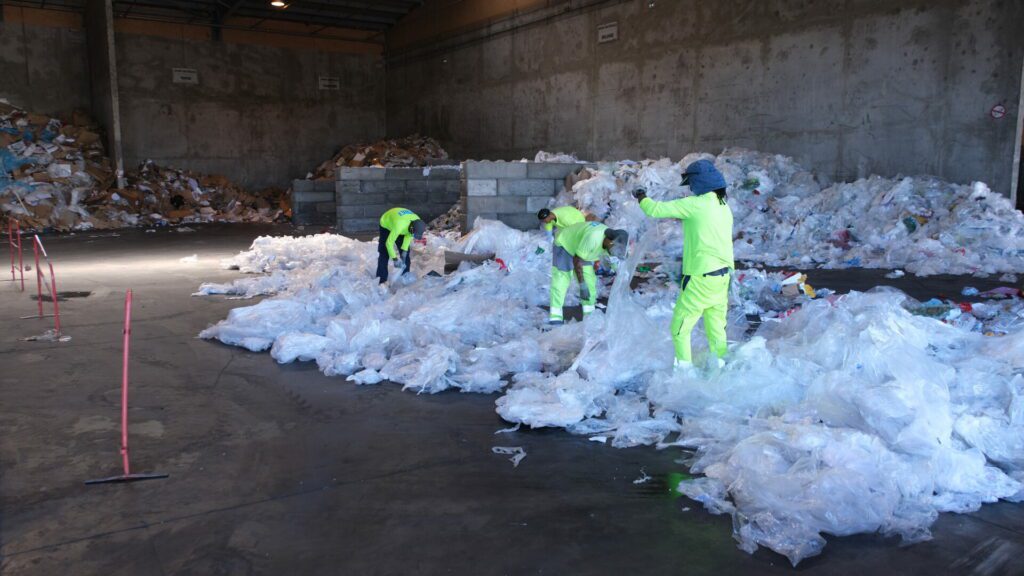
{"x":561,"y":277}
{"x":706,"y":296}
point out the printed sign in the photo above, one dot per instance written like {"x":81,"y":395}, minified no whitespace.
{"x":330,"y":83}
{"x":608,"y":32}
{"x":184,"y":76}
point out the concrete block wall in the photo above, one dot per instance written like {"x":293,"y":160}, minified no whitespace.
{"x":313,"y":202}
{"x":363,"y":194}
{"x":512,"y":192}
{"x":846,"y":88}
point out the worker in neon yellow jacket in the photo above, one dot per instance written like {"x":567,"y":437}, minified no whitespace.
{"x":579,"y":245}
{"x":707,"y":257}
{"x":397,"y":224}
{"x":560,"y":217}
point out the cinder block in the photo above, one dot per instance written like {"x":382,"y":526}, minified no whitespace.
{"x":327,"y":208}
{"x":360,"y":199}
{"x":488,"y":169}
{"x":314,"y":196}
{"x":424,"y":185}
{"x":323,"y":185}
{"x":443,"y":174}
{"x":403,"y":174}
{"x":553,"y":171}
{"x":359,"y":225}
{"x":521,"y":221}
{"x":526,"y":188}
{"x":481,"y":188}
{"x":347,"y":187}
{"x":371,"y":211}
{"x":445,"y":197}
{"x":497,"y":204}
{"x":383,"y":186}
{"x":364,"y":173}
{"x":407,"y":198}
{"x":535,"y":203}
{"x":302,"y":186}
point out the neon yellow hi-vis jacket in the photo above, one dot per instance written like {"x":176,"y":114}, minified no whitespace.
{"x":565,"y":216}
{"x":707,"y":230}
{"x":583,"y":240}
{"x":397,"y":221}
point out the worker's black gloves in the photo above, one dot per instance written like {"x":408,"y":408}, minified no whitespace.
{"x":398,"y":264}
{"x":639,"y":194}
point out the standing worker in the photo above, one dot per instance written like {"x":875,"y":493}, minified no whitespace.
{"x":707,"y":258}
{"x":579,"y":246}
{"x":394,"y":224}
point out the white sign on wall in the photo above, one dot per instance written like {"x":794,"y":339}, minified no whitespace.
{"x":608,"y":32}
{"x":184,"y":76}
{"x":329,"y":83}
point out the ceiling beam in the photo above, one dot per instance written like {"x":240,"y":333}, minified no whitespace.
{"x":311,"y":19}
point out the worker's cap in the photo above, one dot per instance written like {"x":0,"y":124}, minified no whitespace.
{"x":418,"y":228}
{"x":620,"y":239}
{"x":543,"y":213}
{"x":702,"y":176}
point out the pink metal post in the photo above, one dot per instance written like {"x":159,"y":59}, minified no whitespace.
{"x":127,"y":476}
{"x":38,"y":247}
{"x":21,"y":257}
{"x":10,"y":244}
{"x":39,"y":278}
{"x":124,"y":380}
{"x":53,"y":294}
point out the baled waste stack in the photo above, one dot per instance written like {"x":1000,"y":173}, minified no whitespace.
{"x":412,"y":150}
{"x":54,"y":174}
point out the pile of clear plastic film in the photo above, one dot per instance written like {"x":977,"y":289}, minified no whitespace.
{"x":834,"y":414}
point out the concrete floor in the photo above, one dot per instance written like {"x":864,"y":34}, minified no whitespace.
{"x":281,"y":470}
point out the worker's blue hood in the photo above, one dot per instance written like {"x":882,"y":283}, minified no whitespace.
{"x":702,"y":177}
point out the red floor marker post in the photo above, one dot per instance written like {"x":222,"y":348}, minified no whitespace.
{"x":52,"y":286}
{"x":39,"y":276}
{"x":127,"y":476}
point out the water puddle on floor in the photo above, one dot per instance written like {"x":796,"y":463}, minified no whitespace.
{"x":63,"y":296}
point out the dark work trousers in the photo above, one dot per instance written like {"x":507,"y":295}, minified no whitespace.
{"x":382,"y":255}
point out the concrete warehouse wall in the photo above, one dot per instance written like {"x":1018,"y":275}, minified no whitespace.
{"x":364,"y":194}
{"x":256,"y":116}
{"x":511,"y":192}
{"x":848,"y":88}
{"x":43,"y":60}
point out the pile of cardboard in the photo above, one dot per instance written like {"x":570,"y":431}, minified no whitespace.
{"x":412,"y":150}
{"x":155,"y":195}
{"x":54,"y":175}
{"x":450,"y":220}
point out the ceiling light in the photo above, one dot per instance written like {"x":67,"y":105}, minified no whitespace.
{"x":278,"y":4}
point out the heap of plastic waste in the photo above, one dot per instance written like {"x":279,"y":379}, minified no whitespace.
{"x":866,"y":412}
{"x":784,"y":217}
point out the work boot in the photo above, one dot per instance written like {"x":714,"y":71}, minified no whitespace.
{"x":684,"y":368}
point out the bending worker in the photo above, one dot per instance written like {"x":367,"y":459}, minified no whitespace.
{"x":394,"y":224}
{"x":707,"y":257}
{"x":585,"y":242}
{"x":560,"y":218}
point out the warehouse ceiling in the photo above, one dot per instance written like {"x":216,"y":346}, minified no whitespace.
{"x":369,"y":15}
